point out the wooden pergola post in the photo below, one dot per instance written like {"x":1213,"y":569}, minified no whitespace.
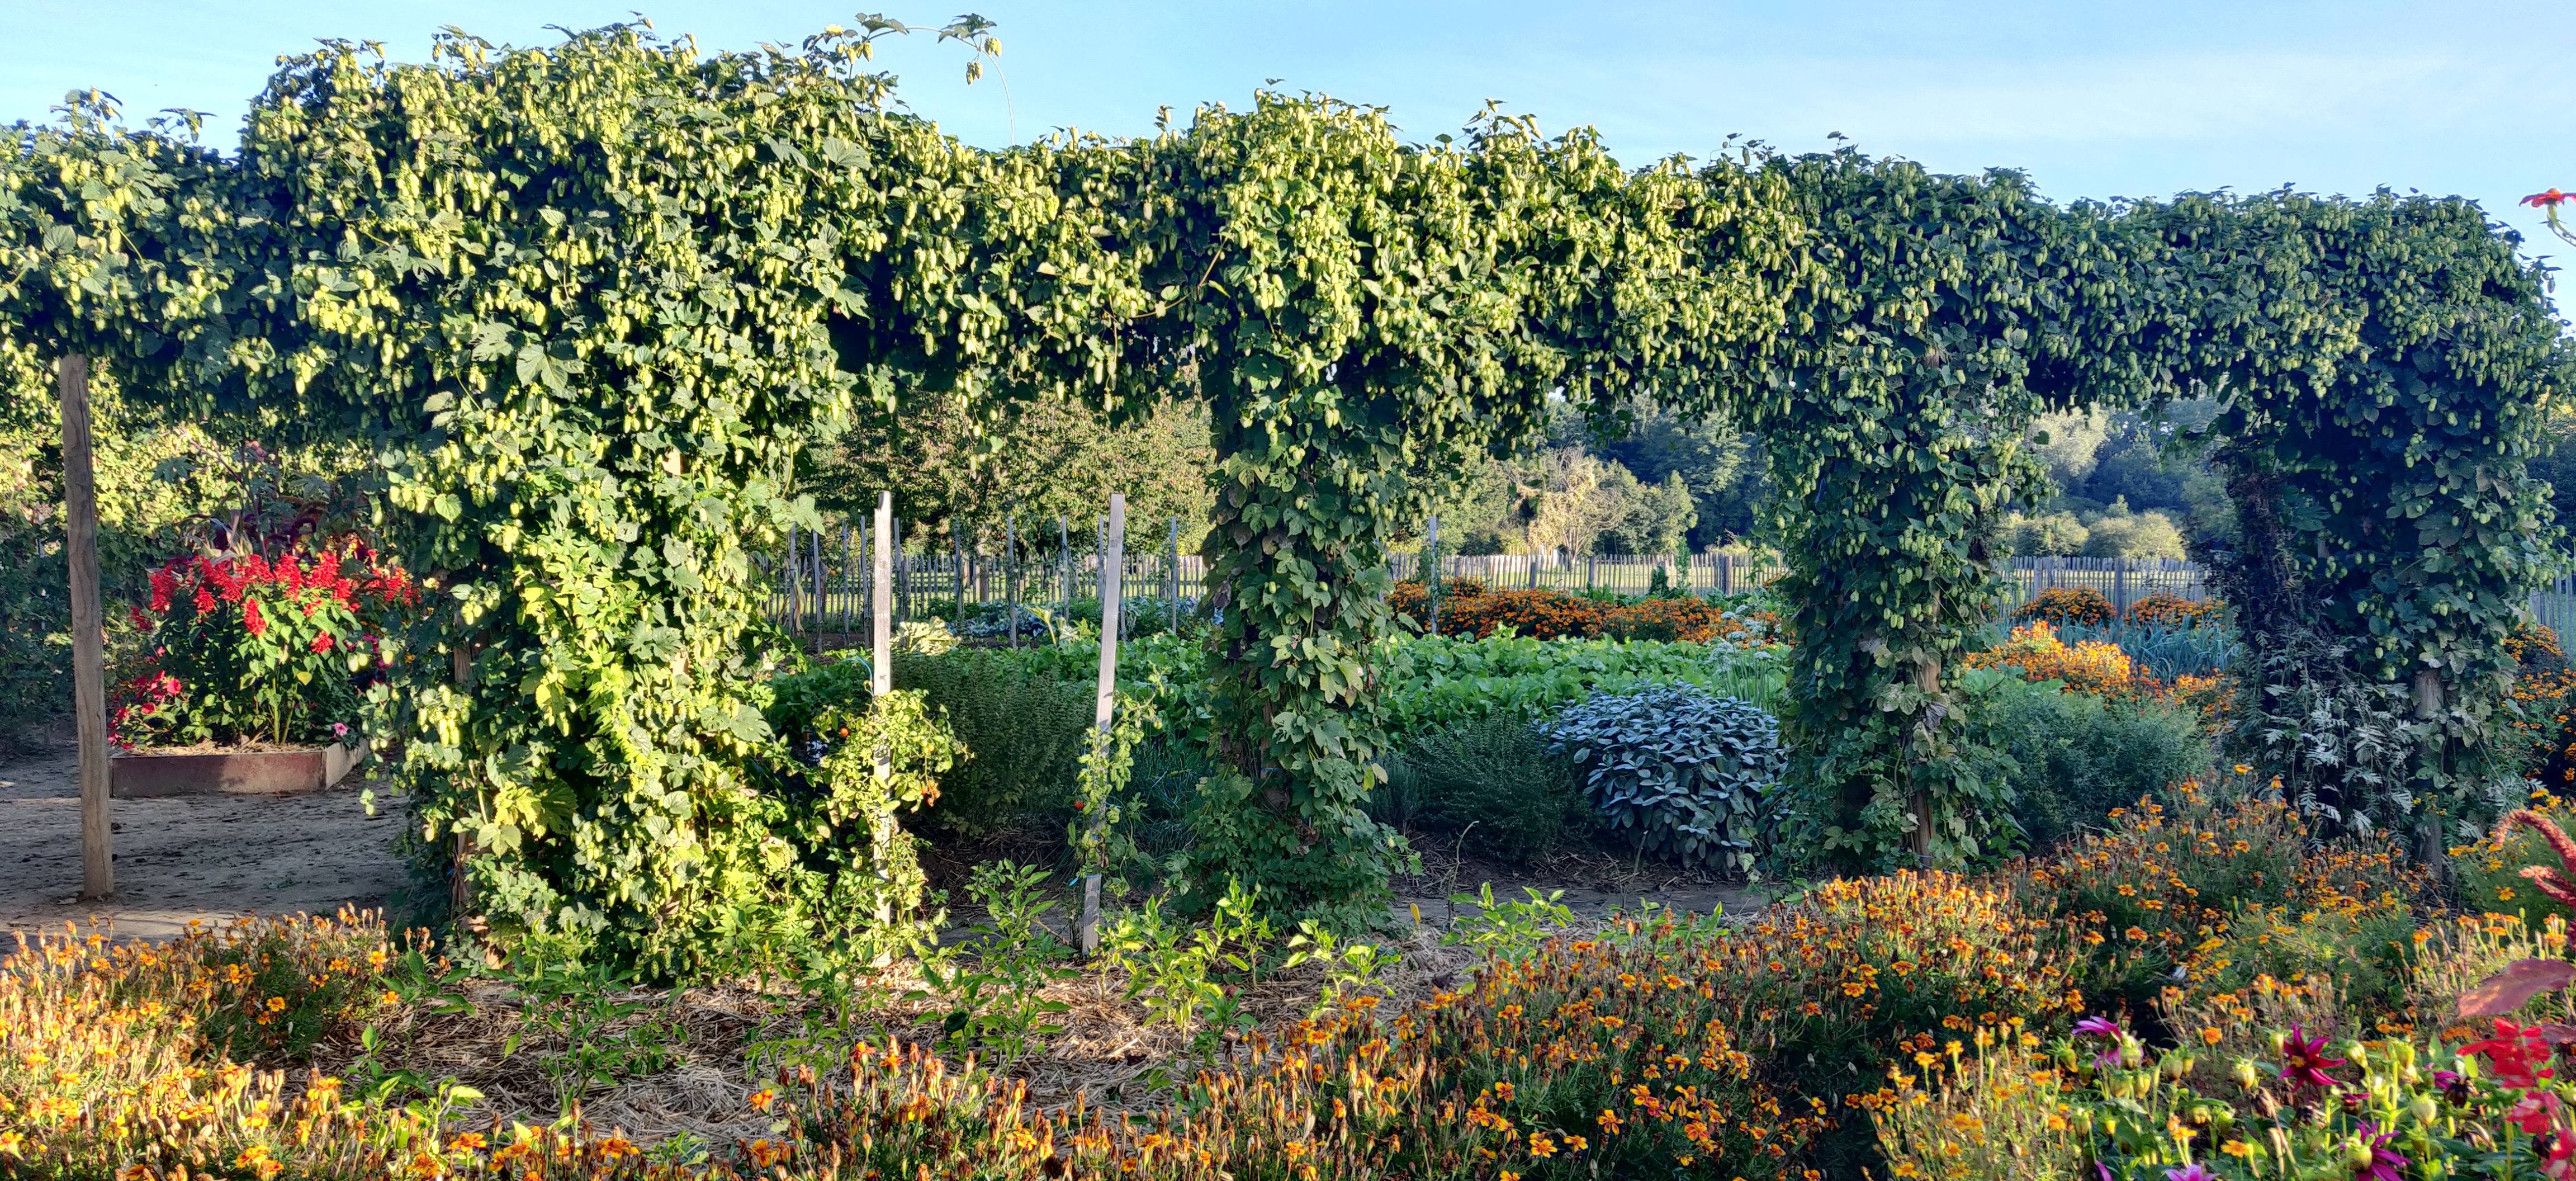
{"x":1113,"y":537}
{"x":89,"y":659}
{"x":880,"y":683}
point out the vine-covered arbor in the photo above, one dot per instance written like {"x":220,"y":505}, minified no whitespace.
{"x":587,"y":304}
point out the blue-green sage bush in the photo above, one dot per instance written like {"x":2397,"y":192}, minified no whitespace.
{"x":1678,"y":770}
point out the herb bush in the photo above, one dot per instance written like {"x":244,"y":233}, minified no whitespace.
{"x":1024,"y":726}
{"x":1492,"y":780}
{"x":1026,"y":731}
{"x":2078,"y":756}
{"x":1679,"y":771}
{"x":1440,"y":681}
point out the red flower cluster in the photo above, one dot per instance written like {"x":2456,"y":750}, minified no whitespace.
{"x":252,"y":645}
{"x":208,"y":581}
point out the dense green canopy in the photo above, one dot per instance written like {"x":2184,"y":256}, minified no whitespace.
{"x":587,"y":305}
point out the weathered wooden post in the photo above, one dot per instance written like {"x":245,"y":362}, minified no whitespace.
{"x":1105,"y":705}
{"x":822,"y":561}
{"x":1011,"y":573}
{"x":788,"y":588}
{"x":89,"y":661}
{"x":880,"y":683}
{"x":1431,"y":570}
{"x":1064,"y":558}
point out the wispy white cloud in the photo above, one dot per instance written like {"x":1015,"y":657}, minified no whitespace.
{"x":2159,"y":98}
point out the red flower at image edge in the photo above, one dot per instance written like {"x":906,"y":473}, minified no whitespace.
{"x":2547,"y":200}
{"x":2518,"y":1057}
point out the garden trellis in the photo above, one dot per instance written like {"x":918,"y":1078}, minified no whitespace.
{"x":589,"y":304}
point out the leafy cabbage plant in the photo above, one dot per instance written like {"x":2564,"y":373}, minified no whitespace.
{"x":1677,"y":769}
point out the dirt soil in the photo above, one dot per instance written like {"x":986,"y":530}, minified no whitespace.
{"x":178,"y":858}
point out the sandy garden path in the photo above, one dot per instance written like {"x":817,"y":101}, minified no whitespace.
{"x":178,"y":858}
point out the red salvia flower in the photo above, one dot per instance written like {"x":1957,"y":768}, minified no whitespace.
{"x":2517,"y":1056}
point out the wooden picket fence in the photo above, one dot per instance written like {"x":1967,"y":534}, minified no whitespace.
{"x":819,"y":584}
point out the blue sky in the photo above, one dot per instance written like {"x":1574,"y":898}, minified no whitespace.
{"x":2093,"y":99}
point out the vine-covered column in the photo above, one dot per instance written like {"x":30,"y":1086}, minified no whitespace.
{"x":1930,"y":318}
{"x":2384,"y":368}
{"x":1355,"y":309}
{"x":591,"y":302}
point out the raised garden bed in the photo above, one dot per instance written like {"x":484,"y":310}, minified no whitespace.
{"x":147,"y":774}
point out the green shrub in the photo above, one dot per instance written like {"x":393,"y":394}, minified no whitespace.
{"x":1681,"y":771}
{"x":2076,"y":756}
{"x":1026,"y":731}
{"x":1024,"y":726}
{"x":1439,"y":681}
{"x":1492,"y":780}
{"x":797,"y":698}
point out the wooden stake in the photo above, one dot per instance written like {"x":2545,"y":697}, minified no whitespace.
{"x":881,"y":681}
{"x":1172,"y":571}
{"x":789,"y":568}
{"x":89,"y":661}
{"x":1431,"y":569}
{"x":1105,"y":704}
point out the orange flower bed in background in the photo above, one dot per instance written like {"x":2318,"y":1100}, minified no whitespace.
{"x":1542,"y":614}
{"x":1469,"y":609}
{"x":2093,"y":666}
{"x":1690,"y":620}
{"x":2164,"y":610}
{"x":1412,"y":597}
{"x":2067,"y":604}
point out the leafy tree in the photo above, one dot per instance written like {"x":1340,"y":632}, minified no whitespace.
{"x":1933,"y":319}
{"x":2070,"y":443}
{"x":2385,"y":365}
{"x":1720,"y":465}
{"x":2124,"y":534}
{"x":591,"y":302}
{"x":1355,"y":310}
{"x":1653,"y":518}
{"x":1043,"y":460}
